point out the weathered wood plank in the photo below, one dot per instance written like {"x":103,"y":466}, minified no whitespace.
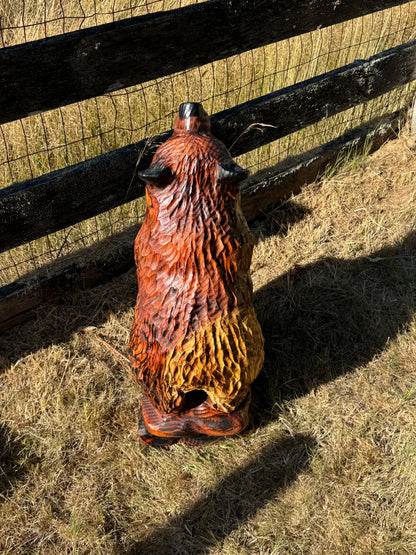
{"x":56,"y":71}
{"x":280,"y":113}
{"x":57,"y":200}
{"x":36,"y":207}
{"x":18,"y":301}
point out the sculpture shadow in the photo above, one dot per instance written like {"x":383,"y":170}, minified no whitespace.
{"x":237,"y":498}
{"x":326,"y":318}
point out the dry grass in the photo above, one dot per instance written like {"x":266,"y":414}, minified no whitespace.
{"x":330,"y":467}
{"x":58,"y":138}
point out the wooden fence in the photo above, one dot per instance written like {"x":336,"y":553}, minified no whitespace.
{"x":53,"y":72}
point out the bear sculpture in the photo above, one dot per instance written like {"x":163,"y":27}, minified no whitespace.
{"x":196,"y":344}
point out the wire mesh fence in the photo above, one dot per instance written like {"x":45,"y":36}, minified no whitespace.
{"x":26,"y":20}
{"x":55,"y":139}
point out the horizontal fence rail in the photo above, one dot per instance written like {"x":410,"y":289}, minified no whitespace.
{"x":19,"y":300}
{"x":56,"y":71}
{"x":40,"y":206}
{"x":273,"y":184}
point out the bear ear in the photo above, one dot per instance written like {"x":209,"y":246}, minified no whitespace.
{"x":232,"y":173}
{"x":156,"y":174}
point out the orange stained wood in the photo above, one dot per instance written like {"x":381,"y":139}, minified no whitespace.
{"x":194,"y":325}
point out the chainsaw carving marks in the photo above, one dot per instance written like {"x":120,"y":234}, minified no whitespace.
{"x":196,"y":344}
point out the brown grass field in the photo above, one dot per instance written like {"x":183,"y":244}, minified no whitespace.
{"x":331,"y":464}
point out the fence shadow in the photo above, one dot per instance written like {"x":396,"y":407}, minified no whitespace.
{"x":326,"y":318}
{"x":237,"y":498}
{"x":278,"y":218}
{"x":319,"y":321}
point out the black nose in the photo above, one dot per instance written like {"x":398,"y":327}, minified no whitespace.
{"x":191,"y":109}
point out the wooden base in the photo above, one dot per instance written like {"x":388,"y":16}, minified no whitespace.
{"x":201,"y":425}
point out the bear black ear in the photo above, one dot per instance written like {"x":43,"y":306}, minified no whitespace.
{"x":232,"y":173}
{"x":156,"y":174}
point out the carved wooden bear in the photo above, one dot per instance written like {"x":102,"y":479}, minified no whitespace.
{"x":196,"y":344}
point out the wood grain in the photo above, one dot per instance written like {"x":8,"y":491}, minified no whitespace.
{"x":259,"y":193}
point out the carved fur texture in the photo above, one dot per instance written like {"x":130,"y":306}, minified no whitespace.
{"x":194,"y":326}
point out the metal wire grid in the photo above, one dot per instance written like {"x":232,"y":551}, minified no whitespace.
{"x":25,"y":20}
{"x":54,"y":139}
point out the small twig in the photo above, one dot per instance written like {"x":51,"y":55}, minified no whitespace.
{"x":116,"y":354}
{"x":139,"y":158}
{"x":248,"y":129}
{"x":64,"y":242}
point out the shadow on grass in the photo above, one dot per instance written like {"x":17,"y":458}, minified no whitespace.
{"x":73,"y":311}
{"x":10,"y":470}
{"x":278,"y":219}
{"x":325,"y":319}
{"x":236,"y":499}
{"x":320,"y":321}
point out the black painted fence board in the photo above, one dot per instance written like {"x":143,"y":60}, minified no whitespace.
{"x":56,"y":71}
{"x":57,"y":200}
{"x":288,"y":110}
{"x":36,"y":207}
